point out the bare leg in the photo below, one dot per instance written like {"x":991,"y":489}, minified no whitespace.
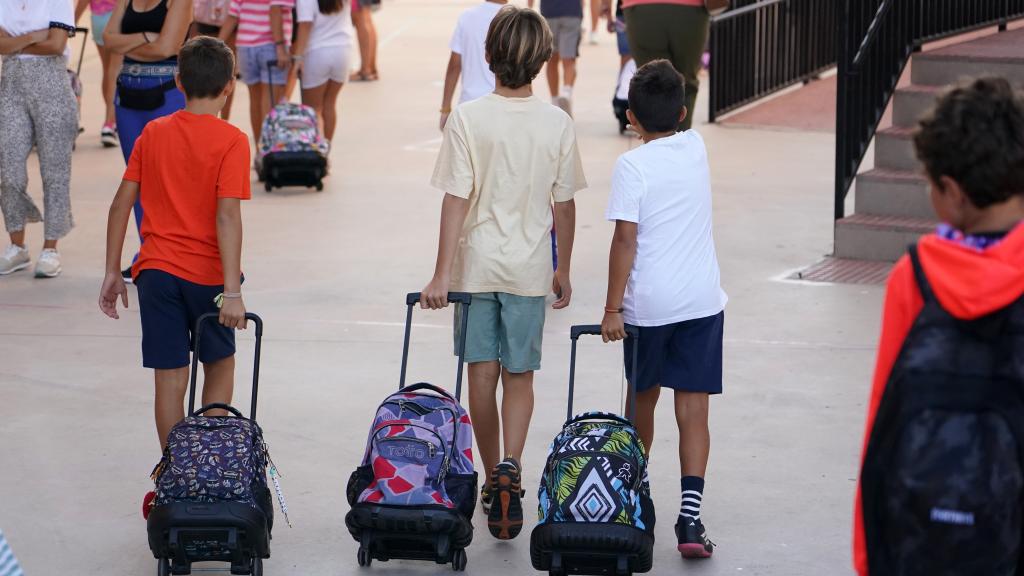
{"x":218,"y":383}
{"x":256,"y":109}
{"x":595,"y":15}
{"x":18,"y":238}
{"x":644,"y":421}
{"x":371,"y":34}
{"x":694,"y":434}
{"x":169,"y":406}
{"x":111,"y":68}
{"x":359,"y":21}
{"x":516,"y":411}
{"x":552,"y":72}
{"x":569,"y":70}
{"x":225,"y":112}
{"x":49,"y":244}
{"x":483,"y":409}
{"x":330,"y":107}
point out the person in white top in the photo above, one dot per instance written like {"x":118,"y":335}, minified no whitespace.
{"x":323,"y":56}
{"x":468,"y":59}
{"x":664,"y":279}
{"x":37,"y":108}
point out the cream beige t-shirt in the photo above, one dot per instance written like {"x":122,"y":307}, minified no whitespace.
{"x":510,"y":157}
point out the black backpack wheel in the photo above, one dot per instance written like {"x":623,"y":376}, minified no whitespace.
{"x":319,"y":186}
{"x":364,"y":557}
{"x":163,"y":567}
{"x":459,"y":560}
{"x":268,"y":187}
{"x":257,"y":566}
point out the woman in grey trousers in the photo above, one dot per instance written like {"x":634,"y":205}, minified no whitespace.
{"x":37,"y":107}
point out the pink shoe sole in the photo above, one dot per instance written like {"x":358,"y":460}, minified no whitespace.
{"x":692,"y":551}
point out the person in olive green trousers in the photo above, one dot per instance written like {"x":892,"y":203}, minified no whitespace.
{"x":674,"y":30}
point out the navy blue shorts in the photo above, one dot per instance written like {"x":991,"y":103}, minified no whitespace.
{"x":685,"y":356}
{"x":169,"y":307}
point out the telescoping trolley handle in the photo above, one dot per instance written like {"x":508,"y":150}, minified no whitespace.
{"x":196,"y":339}
{"x":595,"y":330}
{"x":461,"y":298}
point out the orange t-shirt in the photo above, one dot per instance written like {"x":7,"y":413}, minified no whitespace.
{"x":183,"y":163}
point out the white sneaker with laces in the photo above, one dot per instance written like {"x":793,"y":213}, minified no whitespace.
{"x":13,"y":259}
{"x":48,"y":264}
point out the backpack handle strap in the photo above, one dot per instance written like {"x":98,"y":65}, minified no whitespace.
{"x":429,"y":387}
{"x":218,"y":406}
{"x":919,"y":276}
{"x":598,"y":416}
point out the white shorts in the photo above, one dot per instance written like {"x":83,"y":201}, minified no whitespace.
{"x":323,"y":64}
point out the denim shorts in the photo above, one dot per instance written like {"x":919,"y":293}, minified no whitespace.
{"x":169,"y":307}
{"x":685,"y":356}
{"x":252,"y":63}
{"x":621,"y":38}
{"x":506,"y":328}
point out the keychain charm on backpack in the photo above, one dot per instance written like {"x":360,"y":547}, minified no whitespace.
{"x":274,"y":475}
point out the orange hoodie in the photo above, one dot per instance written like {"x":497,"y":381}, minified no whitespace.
{"x":968,"y":283}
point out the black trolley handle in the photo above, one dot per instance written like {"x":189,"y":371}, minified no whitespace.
{"x":196,"y":338}
{"x":595,"y":330}
{"x":85,"y":43}
{"x":464,"y":299}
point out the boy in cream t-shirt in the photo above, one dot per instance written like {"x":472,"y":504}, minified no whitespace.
{"x":505,"y":158}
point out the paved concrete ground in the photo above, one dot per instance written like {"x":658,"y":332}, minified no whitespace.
{"x":328,"y":271}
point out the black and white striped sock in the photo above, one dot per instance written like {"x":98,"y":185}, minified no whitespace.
{"x":693,"y":494}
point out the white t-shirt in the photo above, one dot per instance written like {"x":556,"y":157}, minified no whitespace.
{"x":18,"y":17}
{"x":468,"y":42}
{"x":329,"y":30}
{"x":510,"y":157}
{"x":664,"y":187}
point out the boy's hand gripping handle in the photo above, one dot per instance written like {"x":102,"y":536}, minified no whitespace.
{"x":464,"y":300}
{"x":595,"y":330}
{"x":196,"y":341}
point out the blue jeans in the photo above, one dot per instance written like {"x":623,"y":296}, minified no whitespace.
{"x":131,"y":122}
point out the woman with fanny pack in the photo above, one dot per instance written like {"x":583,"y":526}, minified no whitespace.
{"x":149,"y":33}
{"x":37,"y":107}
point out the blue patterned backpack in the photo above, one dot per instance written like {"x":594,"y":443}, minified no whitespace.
{"x":595,"y":510}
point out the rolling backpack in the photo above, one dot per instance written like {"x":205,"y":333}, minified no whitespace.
{"x":291,"y":151}
{"x":942,"y":484}
{"x":413,"y":495}
{"x":595,"y":510}
{"x":212,"y":500}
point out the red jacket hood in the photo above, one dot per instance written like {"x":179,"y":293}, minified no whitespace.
{"x":970,"y":283}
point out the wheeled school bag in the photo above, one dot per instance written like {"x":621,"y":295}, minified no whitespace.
{"x":942,"y":484}
{"x":212,"y":499}
{"x":291,"y":150}
{"x":414,"y":494}
{"x":595,"y":510}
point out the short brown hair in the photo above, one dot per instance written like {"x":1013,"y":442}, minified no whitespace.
{"x":518,"y":44}
{"x":205,"y":67}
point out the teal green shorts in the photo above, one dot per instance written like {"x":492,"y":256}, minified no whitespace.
{"x":506,"y":328}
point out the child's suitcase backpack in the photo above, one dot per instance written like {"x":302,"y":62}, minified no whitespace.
{"x":212,"y":499}
{"x":942,"y":484}
{"x":291,"y":150}
{"x":595,"y":509}
{"x":414,"y":494}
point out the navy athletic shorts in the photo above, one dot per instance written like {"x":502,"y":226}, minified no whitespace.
{"x":169,"y":307}
{"x":685,"y":356}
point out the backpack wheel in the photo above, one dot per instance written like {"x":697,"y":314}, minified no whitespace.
{"x":257,"y":566}
{"x":363,"y":557}
{"x":319,"y":186}
{"x":268,"y":187}
{"x":459,"y":560}
{"x":622,"y":566}
{"x":163,"y":567}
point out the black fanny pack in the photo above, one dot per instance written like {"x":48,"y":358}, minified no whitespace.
{"x":143,"y":98}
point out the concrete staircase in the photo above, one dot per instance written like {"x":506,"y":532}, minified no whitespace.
{"x":892,"y":208}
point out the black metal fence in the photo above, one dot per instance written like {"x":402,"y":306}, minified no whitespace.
{"x":878,"y":37}
{"x":761,"y":47}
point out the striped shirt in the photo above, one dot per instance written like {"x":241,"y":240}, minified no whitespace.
{"x":254,"y":20}
{"x":8,"y":563}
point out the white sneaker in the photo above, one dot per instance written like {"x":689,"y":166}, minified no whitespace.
{"x":565,"y":104}
{"x":13,"y":259}
{"x":48,"y":264}
{"x":593,"y":38}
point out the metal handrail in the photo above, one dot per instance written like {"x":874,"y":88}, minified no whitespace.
{"x":869,"y":38}
{"x":737,"y":12}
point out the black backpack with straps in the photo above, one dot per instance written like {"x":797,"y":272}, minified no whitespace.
{"x":943,"y":476}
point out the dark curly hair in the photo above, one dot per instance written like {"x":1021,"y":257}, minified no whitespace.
{"x":518,"y":44}
{"x":657,"y":96}
{"x":975,"y":135}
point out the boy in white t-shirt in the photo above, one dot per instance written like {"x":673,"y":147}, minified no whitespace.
{"x":664,"y":279}
{"x":505,"y":158}
{"x":468,"y":59}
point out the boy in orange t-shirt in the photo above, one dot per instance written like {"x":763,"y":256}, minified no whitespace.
{"x":191,"y":170}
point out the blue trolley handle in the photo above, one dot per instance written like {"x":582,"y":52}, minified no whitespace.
{"x":461,"y":298}
{"x":196,"y":340}
{"x":595,"y":330}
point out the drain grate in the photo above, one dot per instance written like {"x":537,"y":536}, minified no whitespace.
{"x":845,"y":271}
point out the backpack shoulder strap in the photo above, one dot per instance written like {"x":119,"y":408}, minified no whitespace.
{"x":919,"y":276}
